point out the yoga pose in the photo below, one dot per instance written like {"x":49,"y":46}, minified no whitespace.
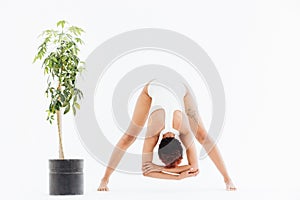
{"x":166,"y":119}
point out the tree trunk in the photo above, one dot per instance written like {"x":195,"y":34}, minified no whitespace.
{"x":59,"y":124}
{"x":61,"y":151}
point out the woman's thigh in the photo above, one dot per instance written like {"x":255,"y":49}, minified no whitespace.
{"x":140,"y":113}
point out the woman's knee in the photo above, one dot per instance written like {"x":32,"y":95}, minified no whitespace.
{"x":126,"y":140}
{"x":201,"y":136}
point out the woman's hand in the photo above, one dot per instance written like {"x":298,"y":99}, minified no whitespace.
{"x":188,"y":173}
{"x":149,"y":167}
{"x":103,"y":185}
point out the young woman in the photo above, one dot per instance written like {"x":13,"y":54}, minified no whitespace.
{"x":174,"y":125}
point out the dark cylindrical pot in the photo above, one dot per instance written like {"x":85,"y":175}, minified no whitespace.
{"x":66,"y":177}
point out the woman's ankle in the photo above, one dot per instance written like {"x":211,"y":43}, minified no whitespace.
{"x":227,"y":179}
{"x":105,"y":179}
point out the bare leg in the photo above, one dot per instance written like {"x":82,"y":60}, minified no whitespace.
{"x":201,"y":135}
{"x":139,"y":118}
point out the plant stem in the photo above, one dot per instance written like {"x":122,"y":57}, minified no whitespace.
{"x":59,"y":120}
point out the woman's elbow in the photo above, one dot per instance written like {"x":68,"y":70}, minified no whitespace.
{"x":194,"y":170}
{"x":194,"y":167}
{"x":145,"y":174}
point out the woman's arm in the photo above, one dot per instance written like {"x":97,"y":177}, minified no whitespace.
{"x":155,"y":125}
{"x":162,"y":175}
{"x":182,"y":175}
{"x":181,"y":123}
{"x":149,"y":145}
{"x":151,"y":167}
{"x":177,"y":169}
{"x":191,"y":151}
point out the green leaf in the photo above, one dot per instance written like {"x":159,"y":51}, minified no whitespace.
{"x":35,"y":59}
{"x":64,"y":58}
{"x":62,"y":97}
{"x":74,"y":110}
{"x":72,"y":30}
{"x":54,"y":59}
{"x":66,"y":93}
{"x":58,"y":105}
{"x":50,"y":107}
{"x":67,"y":109}
{"x":69,"y":36}
{"x":50,"y":64}
{"x":61,"y":23}
{"x":75,"y":98}
{"x":77,"y":105}
{"x":79,"y":30}
{"x":65,"y":104}
{"x":46,"y":71}
{"x":78,"y":40}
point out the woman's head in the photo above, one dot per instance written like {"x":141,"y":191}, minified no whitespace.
{"x":170,"y":151}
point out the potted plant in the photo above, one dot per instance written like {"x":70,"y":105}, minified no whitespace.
{"x":61,"y":64}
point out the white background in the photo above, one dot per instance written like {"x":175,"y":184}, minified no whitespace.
{"x":255,"y":46}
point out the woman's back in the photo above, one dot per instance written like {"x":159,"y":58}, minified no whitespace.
{"x":169,"y":97}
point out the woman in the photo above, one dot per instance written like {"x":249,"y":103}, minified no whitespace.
{"x":167,"y":119}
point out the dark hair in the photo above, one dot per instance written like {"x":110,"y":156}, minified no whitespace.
{"x":170,"y":151}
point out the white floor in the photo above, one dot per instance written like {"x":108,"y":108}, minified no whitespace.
{"x":125,"y":186}
{"x":198,"y":194}
{"x":155,"y":193}
{"x":33,"y":185}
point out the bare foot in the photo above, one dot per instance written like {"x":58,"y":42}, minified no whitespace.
{"x":229,"y":185}
{"x":103,"y":185}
